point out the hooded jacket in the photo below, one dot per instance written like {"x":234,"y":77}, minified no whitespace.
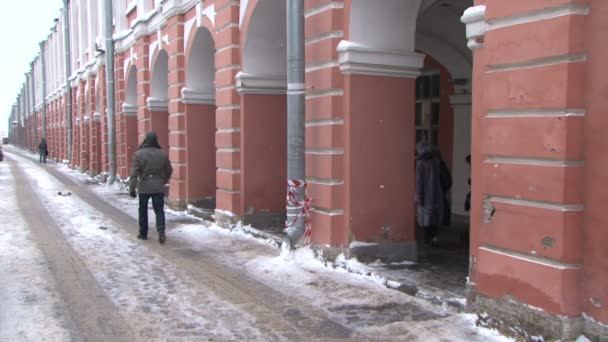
{"x":151,"y":168}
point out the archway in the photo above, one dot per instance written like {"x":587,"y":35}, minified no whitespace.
{"x":158,"y":102}
{"x":200,"y":136}
{"x":262,"y":85}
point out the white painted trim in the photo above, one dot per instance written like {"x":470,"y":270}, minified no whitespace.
{"x":322,"y":66}
{"x":323,"y":8}
{"x":324,"y":36}
{"x":129,"y":110}
{"x":231,"y":171}
{"x":329,"y":122}
{"x":325,"y":181}
{"x":130,"y":7}
{"x":242,"y":12}
{"x":157,"y":105}
{"x":193,"y":96}
{"x":535,"y":63}
{"x":209,"y":12}
{"x":229,"y":130}
{"x":531,"y":113}
{"x":534,"y":161}
{"x":228,"y":149}
{"x":541,"y":14}
{"x":325,"y":92}
{"x":324,"y":151}
{"x":530,"y":258}
{"x":357,"y":59}
{"x":261,"y":84}
{"x":151,"y":22}
{"x":476,"y":26}
{"x":538,"y":204}
{"x":329,"y":212}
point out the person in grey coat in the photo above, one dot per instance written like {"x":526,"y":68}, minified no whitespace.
{"x":430,"y":203}
{"x":150,"y":172}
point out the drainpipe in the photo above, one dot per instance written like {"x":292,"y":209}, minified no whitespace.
{"x":33,"y":90}
{"x":43,"y":81}
{"x":109,"y":61}
{"x":68,"y":72}
{"x":296,"y":218}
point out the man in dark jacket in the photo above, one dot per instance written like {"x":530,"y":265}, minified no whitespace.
{"x":430,"y":204}
{"x":43,"y":150}
{"x":150,"y":172}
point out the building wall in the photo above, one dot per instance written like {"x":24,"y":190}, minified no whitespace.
{"x":536,"y":126}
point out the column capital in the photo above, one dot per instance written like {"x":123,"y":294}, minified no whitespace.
{"x":358,"y":59}
{"x":474,"y":18}
{"x":261,"y":84}
{"x":194,"y":96}
{"x":157,"y":105}
{"x":129,"y":109}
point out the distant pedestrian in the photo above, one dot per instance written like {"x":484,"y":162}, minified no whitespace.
{"x":430,"y":196}
{"x":43,"y":150}
{"x":150,"y":172}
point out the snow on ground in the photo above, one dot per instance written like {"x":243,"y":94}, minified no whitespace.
{"x":124,"y":270}
{"x":155,"y":296}
{"x":27,"y":290}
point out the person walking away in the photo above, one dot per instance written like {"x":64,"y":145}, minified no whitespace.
{"x":43,"y":150}
{"x":150,"y":171}
{"x":430,"y":196}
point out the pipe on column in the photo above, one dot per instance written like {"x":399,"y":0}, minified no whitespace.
{"x":109,"y":61}
{"x":296,"y":89}
{"x":68,"y":72}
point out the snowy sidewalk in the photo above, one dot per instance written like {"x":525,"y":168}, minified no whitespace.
{"x":361,"y":307}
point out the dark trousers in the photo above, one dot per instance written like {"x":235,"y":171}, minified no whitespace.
{"x":42,"y":157}
{"x":158,"y":202}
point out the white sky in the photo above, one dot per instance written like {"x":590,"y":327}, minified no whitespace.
{"x":23,"y":25}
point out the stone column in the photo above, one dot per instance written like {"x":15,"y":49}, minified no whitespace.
{"x":379,"y":90}
{"x":528,"y":162}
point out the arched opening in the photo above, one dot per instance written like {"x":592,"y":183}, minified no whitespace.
{"x":407,"y":70}
{"x":199,"y":138}
{"x":158,"y":102}
{"x":263,"y":132}
{"x":130,"y":104}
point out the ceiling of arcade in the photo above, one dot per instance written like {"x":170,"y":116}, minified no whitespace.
{"x":440,"y":19}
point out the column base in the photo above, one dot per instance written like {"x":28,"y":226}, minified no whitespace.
{"x":387,"y":252}
{"x":521,"y":322}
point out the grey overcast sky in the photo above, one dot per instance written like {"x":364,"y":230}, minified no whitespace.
{"x":23,"y":24}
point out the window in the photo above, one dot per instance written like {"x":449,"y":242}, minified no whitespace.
{"x":427,"y":107}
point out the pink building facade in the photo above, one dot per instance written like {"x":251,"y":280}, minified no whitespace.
{"x":518,"y":85}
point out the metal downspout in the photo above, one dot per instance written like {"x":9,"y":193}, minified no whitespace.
{"x":109,"y":61}
{"x":68,"y":72}
{"x":296,"y":218}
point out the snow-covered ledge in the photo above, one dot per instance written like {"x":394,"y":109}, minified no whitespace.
{"x":129,"y":109}
{"x":261,"y":84}
{"x":358,"y":59}
{"x":193,"y":96}
{"x":86,"y":119}
{"x":96,"y":117}
{"x":474,"y":18}
{"x":157,"y":105}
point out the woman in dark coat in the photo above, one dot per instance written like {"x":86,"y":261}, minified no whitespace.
{"x":430,"y":194}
